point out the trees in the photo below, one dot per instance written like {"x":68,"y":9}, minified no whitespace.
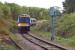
{"x":69,"y":6}
{"x":66,"y":25}
{"x":15,"y":10}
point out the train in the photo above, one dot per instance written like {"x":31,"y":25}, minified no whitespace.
{"x":33,"y":21}
{"x":24,"y":23}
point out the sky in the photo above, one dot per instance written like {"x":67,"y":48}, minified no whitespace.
{"x":37,"y":3}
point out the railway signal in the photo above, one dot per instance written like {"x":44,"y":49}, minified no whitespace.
{"x":53,"y":12}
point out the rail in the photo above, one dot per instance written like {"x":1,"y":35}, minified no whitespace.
{"x":20,"y":47}
{"x":44,"y":41}
{"x":49,"y":42}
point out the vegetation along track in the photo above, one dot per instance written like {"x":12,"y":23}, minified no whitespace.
{"x":42,"y":43}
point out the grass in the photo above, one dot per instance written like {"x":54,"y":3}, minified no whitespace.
{"x":5,"y":33}
{"x":14,"y":37}
{"x":5,"y":46}
{"x":42,"y":34}
{"x":68,"y":41}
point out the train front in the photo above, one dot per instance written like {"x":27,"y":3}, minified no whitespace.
{"x":23,"y":23}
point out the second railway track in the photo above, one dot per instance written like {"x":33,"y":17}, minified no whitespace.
{"x":16,"y":44}
{"x":41,"y":43}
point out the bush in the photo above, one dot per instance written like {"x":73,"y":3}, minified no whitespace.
{"x":43,"y":25}
{"x":66,"y":25}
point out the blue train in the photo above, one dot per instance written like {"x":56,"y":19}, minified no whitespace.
{"x":23,"y":23}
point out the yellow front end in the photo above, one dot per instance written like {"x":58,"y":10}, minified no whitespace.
{"x":23,"y":24}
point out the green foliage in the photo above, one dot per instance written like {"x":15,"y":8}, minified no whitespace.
{"x":43,"y":25}
{"x":66,"y":25}
{"x":15,"y":10}
{"x":42,"y":34}
{"x":69,"y":6}
{"x":68,"y":42}
{"x":5,"y":46}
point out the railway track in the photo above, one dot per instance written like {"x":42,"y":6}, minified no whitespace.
{"x":42,"y":43}
{"x":31,"y":42}
{"x":16,"y":44}
{"x":25,"y":44}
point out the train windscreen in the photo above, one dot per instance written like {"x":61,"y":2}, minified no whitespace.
{"x":24,"y":20}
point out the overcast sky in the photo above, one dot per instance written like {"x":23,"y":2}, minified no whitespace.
{"x":36,"y":3}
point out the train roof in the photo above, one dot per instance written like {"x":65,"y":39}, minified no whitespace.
{"x":24,"y":15}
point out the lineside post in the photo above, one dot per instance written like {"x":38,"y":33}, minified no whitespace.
{"x":53,"y":12}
